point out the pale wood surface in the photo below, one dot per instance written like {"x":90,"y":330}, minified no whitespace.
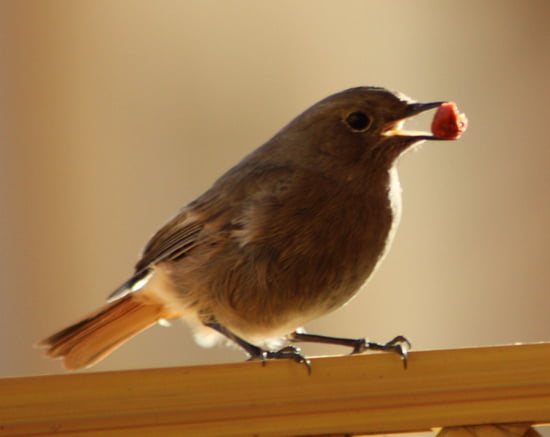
{"x":353,"y":394}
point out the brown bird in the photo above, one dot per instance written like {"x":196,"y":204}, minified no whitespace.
{"x":288,"y":234}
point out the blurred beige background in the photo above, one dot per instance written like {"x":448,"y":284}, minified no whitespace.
{"x":113,"y":114}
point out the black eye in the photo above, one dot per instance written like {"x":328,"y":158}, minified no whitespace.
{"x":358,"y":121}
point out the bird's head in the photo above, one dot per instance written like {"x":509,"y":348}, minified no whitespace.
{"x":361,"y":125}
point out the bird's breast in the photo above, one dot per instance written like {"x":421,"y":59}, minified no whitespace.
{"x":313,"y":252}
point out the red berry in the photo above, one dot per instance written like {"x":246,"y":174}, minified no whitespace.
{"x":448,"y":123}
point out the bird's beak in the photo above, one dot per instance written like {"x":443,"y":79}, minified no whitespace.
{"x":394,"y":128}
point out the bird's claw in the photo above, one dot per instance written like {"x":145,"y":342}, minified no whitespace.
{"x":288,"y":353}
{"x":400,"y":345}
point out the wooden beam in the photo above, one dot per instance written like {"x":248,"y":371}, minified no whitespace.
{"x":366,"y":394}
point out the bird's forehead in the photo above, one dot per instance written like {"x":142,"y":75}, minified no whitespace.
{"x":403,"y":97}
{"x":377,"y":102}
{"x":369,"y":96}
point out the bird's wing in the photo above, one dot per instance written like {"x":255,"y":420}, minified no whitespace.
{"x":218,"y":208}
{"x":173,"y":240}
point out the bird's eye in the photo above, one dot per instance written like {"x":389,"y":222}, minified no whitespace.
{"x":358,"y":121}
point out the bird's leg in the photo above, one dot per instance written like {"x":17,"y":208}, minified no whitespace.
{"x":257,"y":353}
{"x":399,"y":344}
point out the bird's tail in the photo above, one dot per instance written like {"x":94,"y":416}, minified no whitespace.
{"x":95,"y":336}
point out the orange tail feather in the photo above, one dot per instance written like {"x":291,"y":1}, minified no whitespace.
{"x":90,"y":340}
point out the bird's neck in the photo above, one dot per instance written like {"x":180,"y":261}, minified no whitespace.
{"x":394,"y":196}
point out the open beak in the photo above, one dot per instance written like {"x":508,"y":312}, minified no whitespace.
{"x":394,"y":128}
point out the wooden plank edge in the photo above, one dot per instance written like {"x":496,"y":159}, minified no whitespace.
{"x":370,"y":393}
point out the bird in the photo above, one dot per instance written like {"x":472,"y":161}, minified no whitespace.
{"x":290,"y":233}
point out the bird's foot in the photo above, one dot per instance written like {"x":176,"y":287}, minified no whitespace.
{"x":257,"y":353}
{"x":287,"y":353}
{"x":399,"y":344}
